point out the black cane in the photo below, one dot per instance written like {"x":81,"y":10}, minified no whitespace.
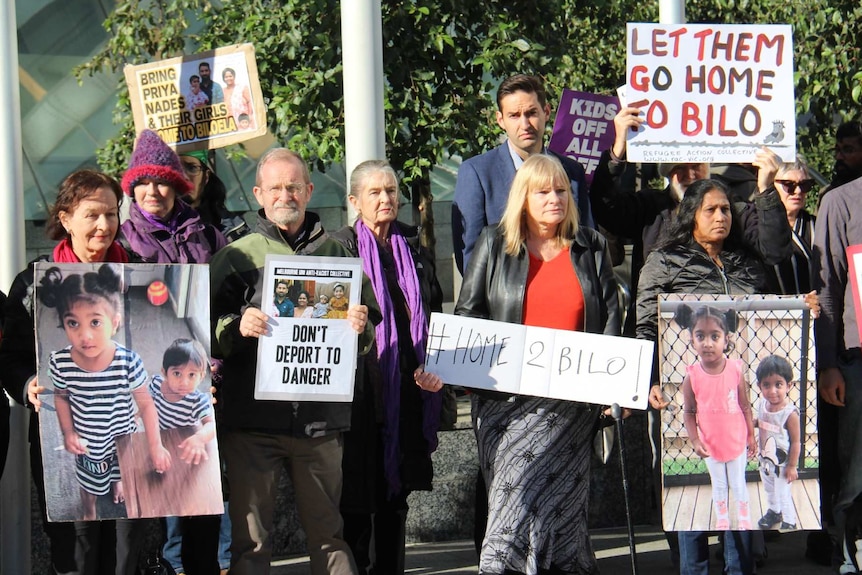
{"x":617,"y":414}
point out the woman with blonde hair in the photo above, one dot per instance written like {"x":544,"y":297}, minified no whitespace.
{"x":539,"y":268}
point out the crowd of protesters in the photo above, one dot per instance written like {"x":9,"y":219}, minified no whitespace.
{"x":525,"y":232}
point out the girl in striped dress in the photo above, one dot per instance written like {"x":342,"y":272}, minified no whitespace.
{"x":178,"y":400}
{"x":98,"y":382}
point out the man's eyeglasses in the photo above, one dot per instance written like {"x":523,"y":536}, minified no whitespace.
{"x":790,"y":186}
{"x":292,"y":189}
{"x":193,"y":169}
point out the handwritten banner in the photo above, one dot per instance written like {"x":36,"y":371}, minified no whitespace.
{"x":560,"y":364}
{"x":710,"y":92}
{"x":584,"y":128}
{"x":310,"y":353}
{"x":202,"y":101}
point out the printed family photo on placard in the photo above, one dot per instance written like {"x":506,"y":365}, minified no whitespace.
{"x":127,"y":420}
{"x":739,"y":439}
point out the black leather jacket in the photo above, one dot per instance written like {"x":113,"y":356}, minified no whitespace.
{"x":688,"y":269}
{"x":495,"y":283}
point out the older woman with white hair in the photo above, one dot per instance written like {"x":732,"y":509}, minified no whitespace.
{"x":396,"y":411}
{"x":538,"y":268}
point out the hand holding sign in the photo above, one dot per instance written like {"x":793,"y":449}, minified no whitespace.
{"x":357,"y":315}
{"x":427,"y":381}
{"x":254,"y":323}
{"x":629,"y":118}
{"x":767,"y":164}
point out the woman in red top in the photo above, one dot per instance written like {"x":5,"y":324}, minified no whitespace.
{"x":538,"y":268}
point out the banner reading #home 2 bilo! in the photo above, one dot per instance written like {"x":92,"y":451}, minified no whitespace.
{"x":543,"y":362}
{"x":710,"y":92}
{"x":201,"y":101}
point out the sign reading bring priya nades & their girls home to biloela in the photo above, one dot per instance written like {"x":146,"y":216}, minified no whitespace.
{"x":201,"y":101}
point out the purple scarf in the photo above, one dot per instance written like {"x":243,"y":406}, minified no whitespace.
{"x":387,"y":344}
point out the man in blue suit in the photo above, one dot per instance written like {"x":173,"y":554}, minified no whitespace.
{"x":484,"y":181}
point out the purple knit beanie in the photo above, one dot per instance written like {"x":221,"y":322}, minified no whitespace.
{"x":153,"y":159}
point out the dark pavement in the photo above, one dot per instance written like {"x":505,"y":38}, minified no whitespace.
{"x":786,"y":555}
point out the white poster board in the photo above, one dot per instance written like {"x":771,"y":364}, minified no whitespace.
{"x":308,"y":358}
{"x":560,"y":364}
{"x":710,"y":92}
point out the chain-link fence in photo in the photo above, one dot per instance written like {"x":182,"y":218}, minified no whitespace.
{"x":722,"y":358}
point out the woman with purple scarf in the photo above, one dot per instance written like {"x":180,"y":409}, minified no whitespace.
{"x":396,"y":409}
{"x":161,"y":228}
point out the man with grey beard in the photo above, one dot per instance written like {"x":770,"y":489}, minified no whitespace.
{"x":260,"y":439}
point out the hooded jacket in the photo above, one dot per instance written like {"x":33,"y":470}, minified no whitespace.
{"x":185,"y":239}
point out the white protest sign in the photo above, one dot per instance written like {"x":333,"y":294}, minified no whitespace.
{"x":310,"y":353}
{"x":560,"y":364}
{"x":710,"y":92}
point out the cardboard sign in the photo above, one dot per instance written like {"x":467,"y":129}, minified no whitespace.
{"x":584,"y":127}
{"x":543,"y":362}
{"x":310,"y":353}
{"x":123,"y":352}
{"x":174,"y":98}
{"x":710,"y":92}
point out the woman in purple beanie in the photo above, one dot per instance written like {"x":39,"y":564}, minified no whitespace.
{"x":164,"y":229}
{"x":161,"y":228}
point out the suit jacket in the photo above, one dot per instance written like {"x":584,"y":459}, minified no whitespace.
{"x":481,"y":192}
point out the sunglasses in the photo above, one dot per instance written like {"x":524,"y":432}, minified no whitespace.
{"x":790,"y":187}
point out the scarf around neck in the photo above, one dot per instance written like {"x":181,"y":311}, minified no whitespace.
{"x":386,"y":336}
{"x":64,"y":254}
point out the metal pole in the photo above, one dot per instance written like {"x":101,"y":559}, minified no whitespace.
{"x":671,"y":11}
{"x":15,"y":486}
{"x":617,"y":414}
{"x":362,"y":41}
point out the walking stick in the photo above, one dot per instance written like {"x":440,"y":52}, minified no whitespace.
{"x":616,"y":413}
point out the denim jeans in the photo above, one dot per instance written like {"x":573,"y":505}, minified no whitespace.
{"x":172,"y":549}
{"x":694,"y":553}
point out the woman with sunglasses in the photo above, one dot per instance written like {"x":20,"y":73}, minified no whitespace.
{"x":793,"y":275}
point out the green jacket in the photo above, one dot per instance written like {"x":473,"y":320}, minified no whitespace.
{"x":236,"y":282}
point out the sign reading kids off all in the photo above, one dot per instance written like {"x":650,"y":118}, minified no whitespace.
{"x":584,"y":128}
{"x":203,"y":101}
{"x":710,"y":92}
{"x":527,"y":360}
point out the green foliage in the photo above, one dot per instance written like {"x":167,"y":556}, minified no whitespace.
{"x":444,"y":58}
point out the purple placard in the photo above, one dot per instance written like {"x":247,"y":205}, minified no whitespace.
{"x":584,"y":127}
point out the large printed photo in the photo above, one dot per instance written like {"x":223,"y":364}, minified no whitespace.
{"x":127,"y":422}
{"x":739,"y":439}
